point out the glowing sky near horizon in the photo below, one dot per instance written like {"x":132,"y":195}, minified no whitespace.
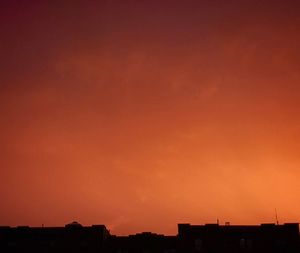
{"x":143,"y":114}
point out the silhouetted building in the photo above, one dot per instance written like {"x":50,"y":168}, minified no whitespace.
{"x":143,"y":243}
{"x":71,"y":238}
{"x":209,"y":238}
{"x":213,"y":238}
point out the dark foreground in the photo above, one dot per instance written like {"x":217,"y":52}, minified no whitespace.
{"x":209,"y":238}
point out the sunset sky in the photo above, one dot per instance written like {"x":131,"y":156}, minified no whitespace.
{"x":143,"y":114}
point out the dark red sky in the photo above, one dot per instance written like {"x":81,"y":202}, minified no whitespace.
{"x":143,"y":114}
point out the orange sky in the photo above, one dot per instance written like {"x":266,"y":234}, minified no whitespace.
{"x":143,"y":114}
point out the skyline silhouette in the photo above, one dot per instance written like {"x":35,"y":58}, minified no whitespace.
{"x":208,"y":238}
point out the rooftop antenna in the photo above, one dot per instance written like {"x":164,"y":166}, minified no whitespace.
{"x":277,"y":222}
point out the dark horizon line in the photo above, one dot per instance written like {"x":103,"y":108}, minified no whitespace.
{"x":77,"y":224}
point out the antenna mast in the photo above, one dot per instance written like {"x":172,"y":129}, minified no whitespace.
{"x":277,"y":222}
